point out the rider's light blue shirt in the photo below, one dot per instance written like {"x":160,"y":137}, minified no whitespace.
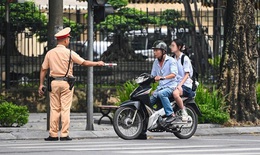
{"x":169,"y":66}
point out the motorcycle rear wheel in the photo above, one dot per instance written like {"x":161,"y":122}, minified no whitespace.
{"x":124,"y":125}
{"x":188,"y":130}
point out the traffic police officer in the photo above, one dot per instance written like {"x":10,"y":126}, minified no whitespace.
{"x":57,"y":60}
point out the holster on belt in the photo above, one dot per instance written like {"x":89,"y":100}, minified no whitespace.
{"x":50,"y":79}
{"x":71,"y":80}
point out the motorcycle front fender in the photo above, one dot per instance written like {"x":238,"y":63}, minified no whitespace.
{"x":191,"y":102}
{"x":128,"y":103}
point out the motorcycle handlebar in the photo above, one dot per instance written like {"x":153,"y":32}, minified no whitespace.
{"x":162,"y":78}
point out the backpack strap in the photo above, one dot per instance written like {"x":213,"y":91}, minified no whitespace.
{"x":195,"y":73}
{"x":68,"y":65}
{"x":182,"y":59}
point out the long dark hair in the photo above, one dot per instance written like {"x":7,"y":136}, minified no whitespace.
{"x":180,"y":44}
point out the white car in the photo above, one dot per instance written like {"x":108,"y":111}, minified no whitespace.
{"x":81,"y":47}
{"x":147,"y":54}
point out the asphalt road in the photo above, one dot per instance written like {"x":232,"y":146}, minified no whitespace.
{"x":202,"y":145}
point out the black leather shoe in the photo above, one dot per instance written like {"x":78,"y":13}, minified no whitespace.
{"x":142,"y":136}
{"x":51,"y":138}
{"x":65,"y":138}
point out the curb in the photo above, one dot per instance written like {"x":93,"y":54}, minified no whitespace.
{"x":203,"y":130}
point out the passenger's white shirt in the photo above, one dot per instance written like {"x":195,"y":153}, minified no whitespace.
{"x":182,"y":69}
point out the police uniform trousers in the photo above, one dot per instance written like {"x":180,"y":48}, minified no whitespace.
{"x":60,"y":104}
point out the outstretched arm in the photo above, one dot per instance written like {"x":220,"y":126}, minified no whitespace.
{"x":93,"y":63}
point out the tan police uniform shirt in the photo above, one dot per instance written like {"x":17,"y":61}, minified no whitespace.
{"x":57,"y":59}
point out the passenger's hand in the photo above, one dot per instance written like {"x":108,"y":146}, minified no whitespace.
{"x":41,"y":90}
{"x":100,"y":63}
{"x":179,"y":88}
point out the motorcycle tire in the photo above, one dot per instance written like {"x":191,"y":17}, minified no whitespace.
{"x":191,"y":127}
{"x":124,"y":125}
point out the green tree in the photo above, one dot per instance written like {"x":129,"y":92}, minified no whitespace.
{"x":28,"y":17}
{"x":173,"y":20}
{"x":118,"y":3}
{"x":124,"y":20}
{"x":22,"y":16}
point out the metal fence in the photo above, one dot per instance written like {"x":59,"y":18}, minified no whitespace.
{"x":28,"y":53}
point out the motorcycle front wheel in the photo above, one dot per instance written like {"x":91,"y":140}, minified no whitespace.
{"x":127,"y":123}
{"x":190,"y":128}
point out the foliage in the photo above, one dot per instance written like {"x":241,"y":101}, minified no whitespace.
{"x":125,"y":91}
{"x":215,"y":62}
{"x":11,"y":114}
{"x":258,"y":93}
{"x":128,"y":87}
{"x":172,"y":18}
{"x":27,"y":17}
{"x":76,"y":29}
{"x":24,"y":15}
{"x":211,"y":106}
{"x":118,"y":3}
{"x":126,"y":19}
{"x":132,"y":19}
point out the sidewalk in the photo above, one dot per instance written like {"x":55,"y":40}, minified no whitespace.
{"x":36,"y":129}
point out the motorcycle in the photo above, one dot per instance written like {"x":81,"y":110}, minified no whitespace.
{"x":137,"y":115}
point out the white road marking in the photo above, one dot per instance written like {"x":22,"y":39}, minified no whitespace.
{"x":170,"y":147}
{"x":104,"y":147}
{"x":209,"y":151}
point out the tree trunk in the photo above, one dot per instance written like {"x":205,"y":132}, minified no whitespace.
{"x":192,"y":30}
{"x":217,"y":46}
{"x":239,"y":62}
{"x":201,"y":46}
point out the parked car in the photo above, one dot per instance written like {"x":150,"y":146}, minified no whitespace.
{"x":81,"y":47}
{"x":142,"y":41}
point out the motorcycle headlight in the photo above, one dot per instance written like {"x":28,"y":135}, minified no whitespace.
{"x":141,"y":79}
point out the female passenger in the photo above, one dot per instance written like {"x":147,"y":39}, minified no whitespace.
{"x":185,"y":72}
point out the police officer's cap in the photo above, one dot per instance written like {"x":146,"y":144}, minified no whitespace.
{"x":64,"y":33}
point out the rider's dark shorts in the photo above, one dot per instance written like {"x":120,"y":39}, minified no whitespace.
{"x":187,"y":92}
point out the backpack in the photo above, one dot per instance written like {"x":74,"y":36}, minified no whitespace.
{"x":195,"y":76}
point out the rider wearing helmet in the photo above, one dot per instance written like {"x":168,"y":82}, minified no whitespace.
{"x":159,"y":44}
{"x":164,"y":70}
